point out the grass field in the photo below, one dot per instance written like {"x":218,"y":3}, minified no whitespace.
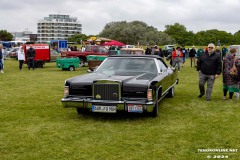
{"x":35,"y":126}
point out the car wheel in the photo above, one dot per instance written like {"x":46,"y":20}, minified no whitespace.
{"x":81,"y":62}
{"x":39,"y":65}
{"x":155,"y":111}
{"x":81,"y":110}
{"x":171,"y":92}
{"x":71,"y":68}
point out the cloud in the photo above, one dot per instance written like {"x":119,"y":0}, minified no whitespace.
{"x":195,"y":15}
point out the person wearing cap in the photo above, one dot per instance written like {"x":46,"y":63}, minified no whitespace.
{"x":192,"y":55}
{"x":230,"y":82}
{"x":209,"y":66}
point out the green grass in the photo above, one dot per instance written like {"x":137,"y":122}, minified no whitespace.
{"x":35,"y":126}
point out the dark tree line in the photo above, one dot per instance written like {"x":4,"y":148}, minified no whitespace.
{"x":139,"y":32}
{"x":135,"y":32}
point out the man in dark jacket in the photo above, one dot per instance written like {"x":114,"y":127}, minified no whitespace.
{"x":192,"y":55}
{"x":30,"y":57}
{"x":209,"y":66}
{"x":148,"y":51}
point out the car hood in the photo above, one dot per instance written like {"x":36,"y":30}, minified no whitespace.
{"x":143,"y":78}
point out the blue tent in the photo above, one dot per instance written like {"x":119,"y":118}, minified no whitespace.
{"x":7,"y":44}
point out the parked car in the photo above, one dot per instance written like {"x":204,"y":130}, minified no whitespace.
{"x":54,"y":55}
{"x":129,"y":46}
{"x":13,"y":52}
{"x":67,"y":63}
{"x":130,"y":83}
{"x":138,"y":51}
{"x":96,"y":60}
{"x":89,"y":50}
{"x":168,"y":49}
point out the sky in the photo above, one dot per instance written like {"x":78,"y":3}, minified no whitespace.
{"x":195,"y":15}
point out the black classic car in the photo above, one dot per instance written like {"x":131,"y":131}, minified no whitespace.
{"x":130,"y":83}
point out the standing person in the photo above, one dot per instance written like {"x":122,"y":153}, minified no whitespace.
{"x":169,"y":57}
{"x":21,"y":57}
{"x":206,"y":50}
{"x":200,"y":52}
{"x":224,"y":52}
{"x":238,"y":67}
{"x":161,"y":54}
{"x":187,"y":53}
{"x":1,"y":57}
{"x":83,"y":48}
{"x":30,"y":56}
{"x":192,"y":54}
{"x":156,"y":50}
{"x":177,"y":56}
{"x":184,"y":54}
{"x":148,"y":51}
{"x":230,"y":82}
{"x":209,"y":67}
{"x":218,"y":51}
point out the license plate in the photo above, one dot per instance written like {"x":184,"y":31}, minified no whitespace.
{"x":104,"y":109}
{"x":135,"y":108}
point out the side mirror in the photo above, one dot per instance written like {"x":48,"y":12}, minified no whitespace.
{"x":172,"y":69}
{"x":164,"y":69}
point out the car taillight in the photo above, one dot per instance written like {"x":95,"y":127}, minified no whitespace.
{"x":149,"y":94}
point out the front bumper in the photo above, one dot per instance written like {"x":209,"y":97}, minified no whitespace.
{"x":87,"y":103}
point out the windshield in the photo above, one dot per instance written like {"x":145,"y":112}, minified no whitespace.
{"x":126,"y":66}
{"x":138,"y":52}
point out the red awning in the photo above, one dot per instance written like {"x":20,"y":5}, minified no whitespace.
{"x":113,"y":43}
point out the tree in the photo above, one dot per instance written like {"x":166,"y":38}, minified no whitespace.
{"x":237,"y":37}
{"x":133,"y":33}
{"x":139,"y":32}
{"x":178,"y":32}
{"x":213,"y":36}
{"x":78,"y":38}
{"x":5,"y":36}
{"x":165,"y":39}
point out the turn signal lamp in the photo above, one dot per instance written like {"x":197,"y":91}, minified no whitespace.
{"x":149,"y":94}
{"x":66,"y":91}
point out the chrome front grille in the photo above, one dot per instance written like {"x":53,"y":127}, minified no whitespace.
{"x":106,"y":91}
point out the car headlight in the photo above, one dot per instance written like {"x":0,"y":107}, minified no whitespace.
{"x":149,"y":94}
{"x":66,"y":91}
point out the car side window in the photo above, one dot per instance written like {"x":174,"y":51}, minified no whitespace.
{"x":102,"y":49}
{"x":95,"y":49}
{"x":162,"y":66}
{"x":88,"y":49}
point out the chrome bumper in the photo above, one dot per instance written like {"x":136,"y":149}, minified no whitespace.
{"x":86,"y":103}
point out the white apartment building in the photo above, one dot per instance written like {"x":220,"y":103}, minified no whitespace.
{"x":57,"y":27}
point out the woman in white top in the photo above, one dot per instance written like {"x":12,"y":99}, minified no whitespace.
{"x":21,"y":57}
